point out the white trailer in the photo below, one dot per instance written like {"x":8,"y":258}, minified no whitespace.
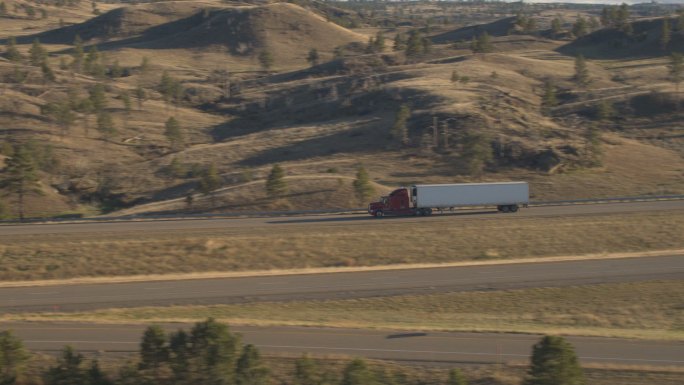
{"x":506,"y":196}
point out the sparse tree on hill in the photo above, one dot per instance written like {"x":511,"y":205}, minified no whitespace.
{"x":456,"y":378}
{"x":173,"y":133}
{"x":141,"y":95}
{"x":580,"y":28}
{"x":313,"y":57}
{"x":275,"y":183}
{"x":554,"y":362}
{"x":549,"y":99}
{"x":604,"y":110}
{"x":249,"y":369}
{"x":126,"y":101}
{"x":556,"y":26}
{"x":11,"y":52}
{"x":21,"y":177}
{"x":481,"y":44}
{"x":454,"y":76}
{"x":13,"y":356}
{"x":676,"y":72}
{"x":78,"y":54}
{"x":105,"y":125}
{"x":593,"y":24}
{"x":414,"y":45}
{"x":399,"y":42}
{"x":399,"y":129}
{"x":93,"y":63}
{"x":170,"y":88}
{"x":48,"y":74}
{"x":145,"y":64}
{"x":477,"y":152}
{"x":98,"y":98}
{"x":37,"y":54}
{"x":379,"y":44}
{"x":115,"y":71}
{"x":210,"y":181}
{"x":266,"y":60}
{"x":362,"y":184}
{"x":665,"y":35}
{"x":3,"y":9}
{"x":62,"y":114}
{"x":581,"y":71}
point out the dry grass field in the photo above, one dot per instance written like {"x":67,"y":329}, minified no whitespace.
{"x":437,"y":240}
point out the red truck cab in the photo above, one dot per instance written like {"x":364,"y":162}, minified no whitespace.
{"x":398,"y":202}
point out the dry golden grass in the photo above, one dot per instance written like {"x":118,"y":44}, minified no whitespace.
{"x":649,"y":310}
{"x":333,"y":244}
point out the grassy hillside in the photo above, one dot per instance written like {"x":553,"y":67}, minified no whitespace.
{"x":246,"y":94}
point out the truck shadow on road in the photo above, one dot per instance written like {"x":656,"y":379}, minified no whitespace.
{"x":359,"y":218}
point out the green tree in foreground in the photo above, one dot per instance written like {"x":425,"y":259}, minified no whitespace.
{"x":249,"y":369}
{"x":12,"y":357}
{"x":362,"y":185}
{"x":306,"y":371}
{"x":456,"y":378}
{"x":213,"y":353}
{"x":358,"y":373}
{"x":275,"y":183}
{"x":554,"y":362}
{"x":21,"y":177}
{"x":154,"y":351}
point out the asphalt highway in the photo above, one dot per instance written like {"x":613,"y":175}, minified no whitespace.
{"x":143,"y":225}
{"x":339,"y":285}
{"x":430,"y":348}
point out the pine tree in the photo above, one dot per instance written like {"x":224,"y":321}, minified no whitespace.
{"x":105,"y":125}
{"x":180,"y":356}
{"x":93,"y":63}
{"x":21,"y":177}
{"x":399,"y":129}
{"x":62,"y":114}
{"x":554,"y":362}
{"x":399,"y":42}
{"x":456,"y":378}
{"x":154,"y":351}
{"x":454,"y":76}
{"x":126,"y":101}
{"x":48,"y":74}
{"x":676,"y":71}
{"x":556,"y":26}
{"x":11,"y":52}
{"x":358,"y":373}
{"x":210,"y":180}
{"x":362,"y":185}
{"x":37,"y":54}
{"x":477,"y":152}
{"x":313,"y":57}
{"x":665,"y":35}
{"x":266,"y":60}
{"x":593,"y":24}
{"x":549,"y":99}
{"x":98,"y":98}
{"x":173,"y":133}
{"x":68,"y":369}
{"x":141,"y":95}
{"x":115,"y":71}
{"x":145,"y":64}
{"x":580,"y":28}
{"x":581,"y":71}
{"x":95,"y":376}
{"x":170,"y":88}
{"x":414,"y":45}
{"x":78,"y":54}
{"x":249,"y":369}
{"x":379,"y":44}
{"x":275,"y":183}
{"x":3,"y":9}
{"x":604,"y":110}
{"x":13,"y":356}
{"x":213,"y":352}
{"x":306,"y":371}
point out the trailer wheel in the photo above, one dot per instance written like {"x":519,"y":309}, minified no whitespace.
{"x":513,"y":208}
{"x":428,"y":211}
{"x":505,"y":209}
{"x":379,"y":214}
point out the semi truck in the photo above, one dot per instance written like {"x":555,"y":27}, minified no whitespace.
{"x":422,"y":199}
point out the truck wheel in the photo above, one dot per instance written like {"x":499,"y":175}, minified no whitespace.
{"x":505,"y":209}
{"x":428,"y":212}
{"x":379,"y":214}
{"x":513,"y":208}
